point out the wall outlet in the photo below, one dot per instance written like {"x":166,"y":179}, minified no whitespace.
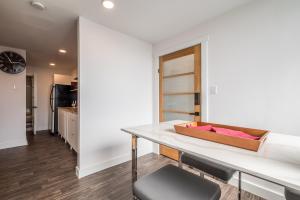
{"x":213,"y":90}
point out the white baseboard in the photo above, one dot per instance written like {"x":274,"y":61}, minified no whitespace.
{"x":42,"y":131}
{"x":259,"y":187}
{"x":82,"y":172}
{"x":13,"y":143}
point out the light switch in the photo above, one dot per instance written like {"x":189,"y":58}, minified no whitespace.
{"x":213,"y":90}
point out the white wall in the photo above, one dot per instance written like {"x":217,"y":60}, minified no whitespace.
{"x":13,"y":106}
{"x":44,"y":81}
{"x":115,"y":91}
{"x":253,"y":57}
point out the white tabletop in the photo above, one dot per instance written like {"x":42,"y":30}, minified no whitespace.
{"x":278,"y":160}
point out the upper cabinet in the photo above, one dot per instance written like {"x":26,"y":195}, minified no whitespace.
{"x":74,"y":75}
{"x":62,"y":79}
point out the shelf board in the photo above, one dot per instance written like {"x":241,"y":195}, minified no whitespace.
{"x":178,"y":93}
{"x":177,"y":75}
{"x":177,"y":111}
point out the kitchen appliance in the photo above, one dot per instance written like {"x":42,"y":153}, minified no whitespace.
{"x":61,"y":96}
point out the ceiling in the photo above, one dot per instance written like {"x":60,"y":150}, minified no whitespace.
{"x":42,"y":33}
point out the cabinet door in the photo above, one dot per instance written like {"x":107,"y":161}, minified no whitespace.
{"x":58,"y":126}
{"x":64,"y":124}
{"x":60,"y":122}
{"x":72,"y":131}
{"x":75,"y":135}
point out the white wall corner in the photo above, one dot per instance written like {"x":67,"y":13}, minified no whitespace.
{"x":82,"y":172}
{"x":13,"y":143}
{"x":180,"y":45}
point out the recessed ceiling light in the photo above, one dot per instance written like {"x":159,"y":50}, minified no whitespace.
{"x":52,"y":64}
{"x":109,"y":4}
{"x":62,"y":51}
{"x":38,"y":5}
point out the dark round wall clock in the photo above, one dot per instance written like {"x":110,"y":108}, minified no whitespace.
{"x":11,"y":62}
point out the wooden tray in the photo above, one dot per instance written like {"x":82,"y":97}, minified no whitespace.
{"x":243,"y":143}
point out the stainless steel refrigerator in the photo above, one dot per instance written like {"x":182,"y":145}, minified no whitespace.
{"x":61,"y":96}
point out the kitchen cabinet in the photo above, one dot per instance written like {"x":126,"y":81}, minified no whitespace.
{"x":62,"y":121}
{"x":72,"y":131}
{"x":68,"y":126}
{"x":62,"y":79}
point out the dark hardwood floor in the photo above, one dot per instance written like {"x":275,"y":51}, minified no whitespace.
{"x":45,"y":169}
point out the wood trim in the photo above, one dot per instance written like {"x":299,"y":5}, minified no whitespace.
{"x":197,"y":77}
{"x":169,"y":152}
{"x":179,"y":93}
{"x":178,"y":54}
{"x":197,"y":108}
{"x":177,"y":111}
{"x":178,"y":75}
{"x":197,"y":68}
{"x":197,"y":118}
{"x":161,"y":103}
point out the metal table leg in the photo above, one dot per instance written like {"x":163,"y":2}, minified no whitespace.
{"x":134,"y":157}
{"x":240,"y":186}
{"x":179,"y":159}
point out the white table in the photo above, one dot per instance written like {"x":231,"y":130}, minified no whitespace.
{"x":277,"y":161}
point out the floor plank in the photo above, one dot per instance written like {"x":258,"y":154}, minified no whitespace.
{"x":45,"y":169}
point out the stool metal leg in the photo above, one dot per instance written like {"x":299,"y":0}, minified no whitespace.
{"x":202,"y":175}
{"x":134,"y":157}
{"x":179,"y":160}
{"x":240,"y":186}
{"x":135,"y":198}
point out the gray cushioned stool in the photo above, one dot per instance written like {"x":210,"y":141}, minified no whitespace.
{"x":291,"y":194}
{"x":216,"y":170}
{"x":174,"y":183}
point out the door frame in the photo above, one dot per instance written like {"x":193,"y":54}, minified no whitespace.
{"x":204,"y":40}
{"x":34,"y":100}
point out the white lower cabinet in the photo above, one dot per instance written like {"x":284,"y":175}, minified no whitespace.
{"x":72,"y":131}
{"x":62,"y":121}
{"x":67,"y":127}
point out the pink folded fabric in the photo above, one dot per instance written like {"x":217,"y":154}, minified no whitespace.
{"x":203,"y":128}
{"x":224,"y":131}
{"x":233,"y":133}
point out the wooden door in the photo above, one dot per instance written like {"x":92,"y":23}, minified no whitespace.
{"x":179,"y":89}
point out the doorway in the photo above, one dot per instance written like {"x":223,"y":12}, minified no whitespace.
{"x":179,"y":89}
{"x":31,"y":103}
